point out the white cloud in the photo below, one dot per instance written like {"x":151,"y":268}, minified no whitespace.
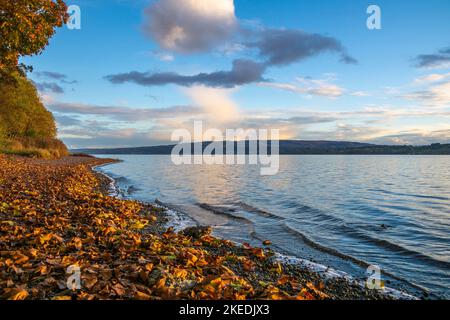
{"x":216,"y":103}
{"x":434,"y":77}
{"x":312,"y":87}
{"x":163,"y":56}
{"x":189,"y":26}
{"x":415,"y":137}
{"x":384,"y":124}
{"x":360,"y":94}
{"x":122,"y":114}
{"x":437,"y":95}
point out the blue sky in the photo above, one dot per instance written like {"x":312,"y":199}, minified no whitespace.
{"x":137,"y":70}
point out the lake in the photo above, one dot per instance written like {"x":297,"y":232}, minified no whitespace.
{"x":345,"y":211}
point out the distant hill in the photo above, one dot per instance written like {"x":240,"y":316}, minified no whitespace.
{"x":294,"y":147}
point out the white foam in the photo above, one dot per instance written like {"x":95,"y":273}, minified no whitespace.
{"x":330,"y":273}
{"x":177,"y":220}
{"x":113,"y":190}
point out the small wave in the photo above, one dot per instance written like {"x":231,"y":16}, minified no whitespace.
{"x":229,"y":212}
{"x":120,"y":186}
{"x":398,"y":248}
{"x":344,"y":256}
{"x":319,"y":247}
{"x":117,"y":186}
{"x":113,"y":190}
{"x":315,"y":214}
{"x":410,"y":195}
{"x":178,"y":220}
{"x":249,"y":208}
{"x":121,"y":179}
{"x":132,"y":189}
{"x":345,"y":228}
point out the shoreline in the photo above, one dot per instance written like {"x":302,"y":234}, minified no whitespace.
{"x":55,"y":214}
{"x":180,"y":220}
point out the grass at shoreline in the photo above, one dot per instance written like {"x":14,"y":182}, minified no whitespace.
{"x":34,"y":147}
{"x":53,"y":215}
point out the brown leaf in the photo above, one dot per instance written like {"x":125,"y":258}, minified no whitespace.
{"x":142,"y":296}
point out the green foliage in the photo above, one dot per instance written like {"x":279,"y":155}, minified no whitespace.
{"x":22,"y":114}
{"x":26,"y":126}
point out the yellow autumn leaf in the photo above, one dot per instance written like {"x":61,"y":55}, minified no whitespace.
{"x":62,"y":298}
{"x":45,"y":238}
{"x":139,"y":225}
{"x":77,"y":243}
{"x":180,"y":273}
{"x":18,"y":294}
{"x":142,"y":296}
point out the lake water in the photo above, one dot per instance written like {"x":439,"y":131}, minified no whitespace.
{"x":341,"y":211}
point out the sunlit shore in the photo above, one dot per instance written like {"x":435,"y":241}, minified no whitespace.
{"x":56,"y":217}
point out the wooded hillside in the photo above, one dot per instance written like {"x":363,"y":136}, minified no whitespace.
{"x":26,"y":126}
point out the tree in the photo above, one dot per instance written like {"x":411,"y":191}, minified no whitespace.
{"x":25,"y":29}
{"x":22,"y":114}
